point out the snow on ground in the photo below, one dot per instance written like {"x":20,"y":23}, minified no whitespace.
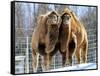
{"x":78,"y":67}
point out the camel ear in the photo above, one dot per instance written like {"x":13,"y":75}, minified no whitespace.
{"x":53,"y":12}
{"x":71,"y":11}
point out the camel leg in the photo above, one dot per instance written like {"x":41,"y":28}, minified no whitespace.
{"x":72,"y":48}
{"x":84,"y":52}
{"x":78,"y":55}
{"x":47,"y":59}
{"x":35,"y":61}
{"x":64,"y":59}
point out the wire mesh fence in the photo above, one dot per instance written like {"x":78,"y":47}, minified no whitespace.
{"x":23,"y":50}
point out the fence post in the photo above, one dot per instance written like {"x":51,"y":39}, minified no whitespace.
{"x":54,"y":63}
{"x":27,"y":56}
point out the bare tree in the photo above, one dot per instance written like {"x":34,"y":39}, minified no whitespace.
{"x":61,"y":8}
{"x":19,"y":19}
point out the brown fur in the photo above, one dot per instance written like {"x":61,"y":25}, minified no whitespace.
{"x":44,"y":39}
{"x":76,"y":41}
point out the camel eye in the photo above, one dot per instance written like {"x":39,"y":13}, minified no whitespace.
{"x":53,"y":16}
{"x":67,"y":17}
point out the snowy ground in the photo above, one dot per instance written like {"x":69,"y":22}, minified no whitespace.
{"x":78,"y":67}
{"x":20,"y":66}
